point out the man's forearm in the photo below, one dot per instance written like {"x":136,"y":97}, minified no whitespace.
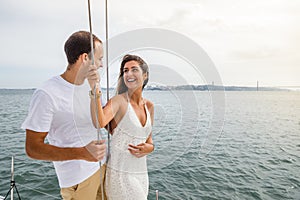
{"x":53,"y":153}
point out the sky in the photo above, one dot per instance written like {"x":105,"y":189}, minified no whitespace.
{"x":248,"y":41}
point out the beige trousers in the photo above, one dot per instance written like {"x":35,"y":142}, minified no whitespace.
{"x":90,"y":189}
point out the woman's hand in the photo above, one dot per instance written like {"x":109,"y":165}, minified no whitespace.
{"x":93,"y":76}
{"x":140,"y":150}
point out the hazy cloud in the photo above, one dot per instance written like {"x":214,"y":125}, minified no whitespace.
{"x":258,"y":33}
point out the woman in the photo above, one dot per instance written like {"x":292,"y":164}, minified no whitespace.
{"x":131,"y":118}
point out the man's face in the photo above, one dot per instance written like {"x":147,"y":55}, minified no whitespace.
{"x":87,"y":62}
{"x":98,"y":54}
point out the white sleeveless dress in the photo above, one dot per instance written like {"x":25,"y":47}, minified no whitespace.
{"x":127,"y":175}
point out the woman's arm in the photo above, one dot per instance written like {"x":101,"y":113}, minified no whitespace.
{"x":142,"y":149}
{"x":105,"y":114}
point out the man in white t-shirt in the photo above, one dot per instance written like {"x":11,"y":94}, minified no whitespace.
{"x":60,"y":111}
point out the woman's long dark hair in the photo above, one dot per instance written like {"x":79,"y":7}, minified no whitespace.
{"x":121,"y":88}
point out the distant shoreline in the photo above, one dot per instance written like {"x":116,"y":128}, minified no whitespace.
{"x":214,"y":88}
{"x":196,"y":88}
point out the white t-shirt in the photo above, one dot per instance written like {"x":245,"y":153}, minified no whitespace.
{"x":63,"y":110}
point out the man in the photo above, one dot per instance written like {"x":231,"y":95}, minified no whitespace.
{"x":59,"y":112}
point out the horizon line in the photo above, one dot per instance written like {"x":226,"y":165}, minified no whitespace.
{"x":290,"y":86}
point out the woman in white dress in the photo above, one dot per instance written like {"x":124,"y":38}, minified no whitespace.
{"x":131,"y":118}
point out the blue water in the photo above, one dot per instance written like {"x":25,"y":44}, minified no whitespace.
{"x":255,"y":155}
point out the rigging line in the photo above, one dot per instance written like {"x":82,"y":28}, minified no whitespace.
{"x":91,"y":33}
{"x":107,"y":75}
{"x":38,"y":191}
{"x":93,"y":62}
{"x":96,"y":91}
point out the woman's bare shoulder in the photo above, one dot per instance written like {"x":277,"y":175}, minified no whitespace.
{"x":118,"y":98}
{"x":149,"y":104}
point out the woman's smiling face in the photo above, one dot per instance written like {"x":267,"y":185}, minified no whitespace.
{"x":133,"y":75}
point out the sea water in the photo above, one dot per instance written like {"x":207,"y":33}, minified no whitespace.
{"x":252,"y":153}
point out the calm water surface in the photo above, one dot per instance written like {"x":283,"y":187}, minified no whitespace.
{"x":256,"y":155}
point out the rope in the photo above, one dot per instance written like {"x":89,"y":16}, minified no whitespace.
{"x":91,"y":33}
{"x":107,"y":75}
{"x":96,"y":90}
